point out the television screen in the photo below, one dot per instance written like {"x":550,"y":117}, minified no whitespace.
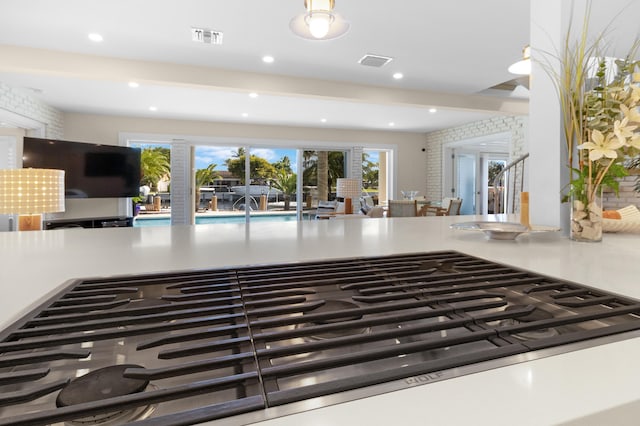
{"x":92,"y":170}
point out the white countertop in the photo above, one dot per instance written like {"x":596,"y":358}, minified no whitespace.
{"x":599,"y":382}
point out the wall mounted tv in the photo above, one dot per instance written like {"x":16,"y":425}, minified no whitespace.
{"x":92,"y":170}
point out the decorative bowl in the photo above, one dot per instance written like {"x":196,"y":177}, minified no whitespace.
{"x":501,"y":230}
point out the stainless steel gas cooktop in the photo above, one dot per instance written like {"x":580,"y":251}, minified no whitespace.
{"x":188,"y":347}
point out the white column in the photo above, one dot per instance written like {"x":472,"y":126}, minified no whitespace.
{"x":548,"y":173}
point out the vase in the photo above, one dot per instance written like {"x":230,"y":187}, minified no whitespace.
{"x":586,"y":215}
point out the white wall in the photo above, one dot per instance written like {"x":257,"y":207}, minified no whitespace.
{"x":517,"y":126}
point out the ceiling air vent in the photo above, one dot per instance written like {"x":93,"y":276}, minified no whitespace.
{"x":374,"y":60}
{"x":202,"y":35}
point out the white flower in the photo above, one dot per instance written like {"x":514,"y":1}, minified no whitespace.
{"x":622,"y":130}
{"x":632,"y":114}
{"x":634,"y":142}
{"x":602,"y":146}
{"x":635,"y":93}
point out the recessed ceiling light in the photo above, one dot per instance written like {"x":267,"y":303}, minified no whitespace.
{"x":153,"y":108}
{"x":95,"y":37}
{"x":245,"y":115}
{"x":134,"y":84}
{"x":432,"y":110}
{"x":253,"y":95}
{"x":324,"y":120}
{"x":268,"y":59}
{"x":398,"y":76}
{"x":391,"y":124}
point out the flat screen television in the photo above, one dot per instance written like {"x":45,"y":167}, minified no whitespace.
{"x":92,"y":170}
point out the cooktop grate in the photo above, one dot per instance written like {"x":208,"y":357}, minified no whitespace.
{"x":222,"y":342}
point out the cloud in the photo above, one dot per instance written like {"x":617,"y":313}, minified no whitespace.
{"x":206,"y":155}
{"x":268,"y":154}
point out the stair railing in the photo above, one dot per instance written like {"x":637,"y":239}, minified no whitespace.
{"x":505,"y":184}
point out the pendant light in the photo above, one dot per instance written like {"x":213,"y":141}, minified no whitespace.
{"x":319,"y":22}
{"x":522,"y":67}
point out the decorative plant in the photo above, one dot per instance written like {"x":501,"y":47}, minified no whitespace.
{"x":610,"y":121}
{"x":599,"y":113}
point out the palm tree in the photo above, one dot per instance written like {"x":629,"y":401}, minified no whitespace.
{"x":370,"y":172}
{"x":335,"y":168}
{"x":154,"y":165}
{"x":205,"y":177}
{"x":285,"y":182}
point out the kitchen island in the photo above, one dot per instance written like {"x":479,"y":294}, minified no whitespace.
{"x":592,"y":385}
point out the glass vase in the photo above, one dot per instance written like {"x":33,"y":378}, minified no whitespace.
{"x":586,"y":215}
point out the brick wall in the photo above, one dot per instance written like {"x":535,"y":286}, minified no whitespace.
{"x":22,"y":103}
{"x":517,"y":126}
{"x":627,"y":195}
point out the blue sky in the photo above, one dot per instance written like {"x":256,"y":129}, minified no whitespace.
{"x":208,"y":154}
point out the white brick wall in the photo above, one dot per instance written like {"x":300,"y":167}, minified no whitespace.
{"x":19,"y":102}
{"x":356,"y":163}
{"x":435,"y":141}
{"x":627,"y":194}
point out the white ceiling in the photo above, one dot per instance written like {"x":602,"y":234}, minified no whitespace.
{"x":448,"y":52}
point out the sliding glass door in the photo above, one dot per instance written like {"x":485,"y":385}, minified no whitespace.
{"x":187,"y":182}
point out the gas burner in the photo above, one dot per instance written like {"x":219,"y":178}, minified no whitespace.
{"x":537,"y":314}
{"x":432,"y":266}
{"x":145,"y":303}
{"x":107,"y":382}
{"x":335,"y":306}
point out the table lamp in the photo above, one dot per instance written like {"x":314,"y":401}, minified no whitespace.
{"x":348,"y":189}
{"x":29,"y":193}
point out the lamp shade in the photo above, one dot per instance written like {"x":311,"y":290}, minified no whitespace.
{"x":31,"y":191}
{"x":522,"y":67}
{"x":348,"y":188}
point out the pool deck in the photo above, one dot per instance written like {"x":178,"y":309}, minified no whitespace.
{"x":166,"y":213}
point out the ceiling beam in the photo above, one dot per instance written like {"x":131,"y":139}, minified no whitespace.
{"x":25,"y":60}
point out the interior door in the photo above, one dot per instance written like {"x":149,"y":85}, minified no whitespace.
{"x":466,"y":165}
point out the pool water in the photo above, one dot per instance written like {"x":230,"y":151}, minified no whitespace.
{"x":141,"y":221}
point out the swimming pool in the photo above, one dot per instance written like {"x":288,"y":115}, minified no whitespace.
{"x":141,"y":221}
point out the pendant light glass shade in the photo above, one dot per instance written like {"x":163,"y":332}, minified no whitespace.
{"x":320,"y":22}
{"x":522,"y":67}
